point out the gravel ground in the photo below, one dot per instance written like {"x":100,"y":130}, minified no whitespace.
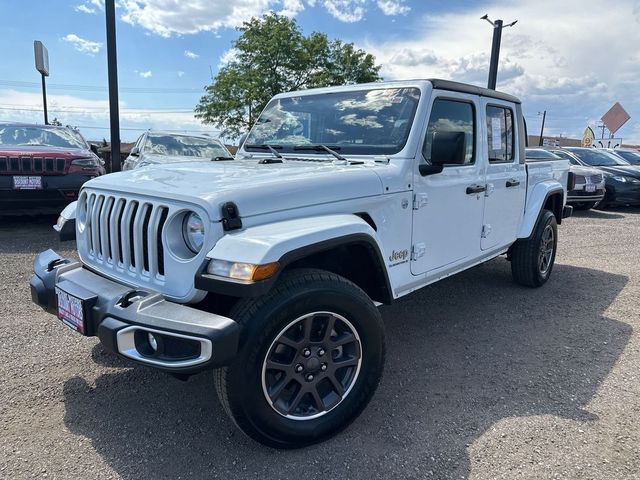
{"x":484,"y":380}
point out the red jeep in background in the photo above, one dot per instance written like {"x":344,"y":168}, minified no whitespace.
{"x":42,"y":167}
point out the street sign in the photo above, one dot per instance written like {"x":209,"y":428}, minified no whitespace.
{"x":42,"y":58}
{"x":587,"y":137}
{"x":607,"y":142}
{"x":615,"y":118}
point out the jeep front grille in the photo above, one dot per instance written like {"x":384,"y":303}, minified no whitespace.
{"x":126,"y":234}
{"x":33,"y":165}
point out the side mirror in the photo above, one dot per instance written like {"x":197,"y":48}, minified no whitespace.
{"x":93,"y":148}
{"x":425,"y":169}
{"x":135,"y":151}
{"x":448,"y":148}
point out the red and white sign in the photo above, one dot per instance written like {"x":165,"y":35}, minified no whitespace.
{"x":615,"y":118}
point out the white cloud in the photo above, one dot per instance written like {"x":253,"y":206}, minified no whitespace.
{"x":90,"y":6}
{"x":181,"y":73}
{"x":348,"y":11}
{"x":146,"y":74}
{"x":291,"y":8}
{"x":84,"y":9}
{"x":190,"y":54}
{"x":82,"y":45}
{"x":393,"y":7}
{"x":183,"y":17}
{"x":169,"y":17}
{"x":227,"y":57}
{"x":553,"y":62}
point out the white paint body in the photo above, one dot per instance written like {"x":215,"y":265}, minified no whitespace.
{"x":285,"y":206}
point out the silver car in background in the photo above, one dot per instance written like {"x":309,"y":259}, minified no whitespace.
{"x":588,"y":187}
{"x":155,"y":147}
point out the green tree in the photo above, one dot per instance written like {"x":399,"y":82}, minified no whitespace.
{"x":273,"y":56}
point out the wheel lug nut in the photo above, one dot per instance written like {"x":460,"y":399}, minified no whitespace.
{"x":309,"y":378}
{"x":321,"y":352}
{"x":299,"y":368}
{"x":306,"y":352}
{"x":323,"y":367}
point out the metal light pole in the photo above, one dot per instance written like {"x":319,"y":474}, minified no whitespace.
{"x":495,"y":49}
{"x":544,"y":116}
{"x":42,"y":65}
{"x":112,"y":66}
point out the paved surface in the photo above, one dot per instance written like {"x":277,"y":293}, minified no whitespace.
{"x":484,"y":380}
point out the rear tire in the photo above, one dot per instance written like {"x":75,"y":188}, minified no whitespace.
{"x":311,"y":357}
{"x":532,"y":259}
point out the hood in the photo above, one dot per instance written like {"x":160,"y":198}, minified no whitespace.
{"x":158,"y":159}
{"x":40,"y":151}
{"x":626,"y":170}
{"x":584,"y":171}
{"x":255,"y":188}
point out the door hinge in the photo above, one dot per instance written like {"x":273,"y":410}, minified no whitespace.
{"x":419,"y":200}
{"x":486,"y":230}
{"x":418,"y":250}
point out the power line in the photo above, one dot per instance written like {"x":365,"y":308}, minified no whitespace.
{"x":97,"y":88}
{"x":105,"y":110}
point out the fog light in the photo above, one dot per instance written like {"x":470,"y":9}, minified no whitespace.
{"x":151,"y":338}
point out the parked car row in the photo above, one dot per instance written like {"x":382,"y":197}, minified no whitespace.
{"x":601,"y":177}
{"x":43,"y":167}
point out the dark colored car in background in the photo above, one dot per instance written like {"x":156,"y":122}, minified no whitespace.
{"x":630,"y":156}
{"x":42,"y":167}
{"x":588,"y":187}
{"x":622,"y":180}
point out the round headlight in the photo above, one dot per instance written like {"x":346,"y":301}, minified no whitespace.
{"x":193,"y":231}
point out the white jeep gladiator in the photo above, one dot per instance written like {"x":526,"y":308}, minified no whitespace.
{"x":269,"y":267}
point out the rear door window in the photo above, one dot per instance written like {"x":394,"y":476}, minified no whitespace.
{"x":500,"y":134}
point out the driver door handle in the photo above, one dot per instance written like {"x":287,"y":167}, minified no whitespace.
{"x":473,"y":189}
{"x":513,"y":183}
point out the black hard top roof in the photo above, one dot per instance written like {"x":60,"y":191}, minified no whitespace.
{"x":471,"y":89}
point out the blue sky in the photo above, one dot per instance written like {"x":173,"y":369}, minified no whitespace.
{"x":571,"y":58}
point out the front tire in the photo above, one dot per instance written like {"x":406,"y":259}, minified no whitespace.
{"x":311,"y":357}
{"x":532,"y":259}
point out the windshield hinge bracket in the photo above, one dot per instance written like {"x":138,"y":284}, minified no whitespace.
{"x":230,"y":217}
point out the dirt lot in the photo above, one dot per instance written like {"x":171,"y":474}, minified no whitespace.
{"x":484,"y":380}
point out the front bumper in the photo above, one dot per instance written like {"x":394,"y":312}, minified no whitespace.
{"x":189,"y":340}
{"x":57,"y":192}
{"x":619,"y":193}
{"x":579,"y":195}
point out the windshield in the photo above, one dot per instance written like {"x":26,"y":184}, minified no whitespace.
{"x":596,"y":158}
{"x":22,"y":136}
{"x":632,"y":157}
{"x":540,"y":154}
{"x":183,"y":145}
{"x":363,"y":122}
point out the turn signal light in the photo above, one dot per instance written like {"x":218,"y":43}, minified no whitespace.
{"x":242,"y":271}
{"x":264,"y":271}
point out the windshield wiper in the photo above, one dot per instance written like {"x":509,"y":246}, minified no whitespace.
{"x":265,"y":146}
{"x":321,"y":148}
{"x":221,"y":159}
